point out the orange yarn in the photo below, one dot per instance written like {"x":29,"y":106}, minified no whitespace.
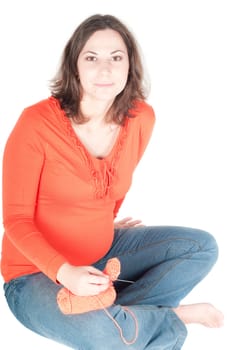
{"x":113,"y":268}
{"x":74,"y":304}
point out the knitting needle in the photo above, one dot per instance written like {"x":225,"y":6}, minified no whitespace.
{"x":126,"y":281}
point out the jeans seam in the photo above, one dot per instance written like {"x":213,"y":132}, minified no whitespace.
{"x":146,"y":289}
{"x":135,"y":250}
{"x":158,"y":243}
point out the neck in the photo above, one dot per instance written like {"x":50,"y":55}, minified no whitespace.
{"x":96,"y":111}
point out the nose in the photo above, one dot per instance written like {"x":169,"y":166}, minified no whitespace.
{"x":105,"y":66}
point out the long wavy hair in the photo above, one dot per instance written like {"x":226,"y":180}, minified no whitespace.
{"x":66,"y":87}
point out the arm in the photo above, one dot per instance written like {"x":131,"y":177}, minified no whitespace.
{"x":117,"y":206}
{"x":143,"y":127}
{"x":22,"y":167}
{"x":23,"y":163}
{"x":147,"y":124}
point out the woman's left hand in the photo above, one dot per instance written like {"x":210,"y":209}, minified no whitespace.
{"x":127,"y":223}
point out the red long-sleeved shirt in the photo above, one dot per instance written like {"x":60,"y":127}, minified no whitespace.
{"x":59,"y":202}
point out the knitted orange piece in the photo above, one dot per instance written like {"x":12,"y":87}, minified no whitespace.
{"x":112,"y":268}
{"x":74,"y":304}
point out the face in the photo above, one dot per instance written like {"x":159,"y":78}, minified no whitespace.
{"x":103,"y":66}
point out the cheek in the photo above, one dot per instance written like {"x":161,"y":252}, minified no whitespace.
{"x":123,"y":77}
{"x":85,"y":78}
{"x":124,"y":73}
{"x":83,"y":72}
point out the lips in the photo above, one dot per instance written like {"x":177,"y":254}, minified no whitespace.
{"x":103,"y":84}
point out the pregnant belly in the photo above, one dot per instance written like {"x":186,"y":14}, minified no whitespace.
{"x":81,"y":241}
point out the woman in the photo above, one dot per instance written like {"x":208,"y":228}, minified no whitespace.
{"x":73,"y":274}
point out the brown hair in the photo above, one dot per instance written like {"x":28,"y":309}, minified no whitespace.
{"x":66,"y":86}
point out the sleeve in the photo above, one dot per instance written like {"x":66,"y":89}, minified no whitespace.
{"x":22,"y":166}
{"x":148,"y":119}
{"x":117,"y":206}
{"x":143,"y":131}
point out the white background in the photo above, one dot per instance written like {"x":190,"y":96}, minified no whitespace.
{"x":185,"y":175}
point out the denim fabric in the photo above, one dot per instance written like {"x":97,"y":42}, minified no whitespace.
{"x":165,"y":263}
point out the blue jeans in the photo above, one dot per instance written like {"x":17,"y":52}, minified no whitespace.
{"x":165,"y":263}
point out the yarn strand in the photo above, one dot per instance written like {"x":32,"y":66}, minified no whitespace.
{"x":125,"y":341}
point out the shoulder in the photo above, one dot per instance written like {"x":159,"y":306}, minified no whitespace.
{"x":43,"y":107}
{"x":40,"y":112}
{"x":141,"y":106}
{"x":36,"y":117}
{"x":143,"y":115}
{"x":143,"y":112}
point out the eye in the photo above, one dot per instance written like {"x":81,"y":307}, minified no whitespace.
{"x":117,"y":58}
{"x":91,"y":58}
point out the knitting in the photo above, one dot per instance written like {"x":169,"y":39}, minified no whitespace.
{"x":74,"y":304}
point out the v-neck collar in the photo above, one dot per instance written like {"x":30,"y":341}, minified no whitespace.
{"x":102,"y":170}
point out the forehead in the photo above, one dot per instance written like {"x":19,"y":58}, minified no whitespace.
{"x":107,"y":39}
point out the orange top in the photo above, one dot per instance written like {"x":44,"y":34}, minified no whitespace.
{"x":59,"y":202}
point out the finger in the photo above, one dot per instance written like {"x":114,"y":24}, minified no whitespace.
{"x":124,"y":221}
{"x":99,"y":280}
{"x":134,"y":222}
{"x":95,"y":271}
{"x":96,"y":289}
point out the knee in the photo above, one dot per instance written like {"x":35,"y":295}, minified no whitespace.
{"x":209,"y":245}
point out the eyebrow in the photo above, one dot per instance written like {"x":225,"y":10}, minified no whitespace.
{"x":95,"y":53}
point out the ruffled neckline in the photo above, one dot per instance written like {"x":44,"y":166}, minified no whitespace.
{"x":102,"y":170}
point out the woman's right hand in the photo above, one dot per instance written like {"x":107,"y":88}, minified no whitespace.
{"x":83,"y":280}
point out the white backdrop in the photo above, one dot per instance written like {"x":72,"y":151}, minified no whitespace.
{"x":185,"y":175}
